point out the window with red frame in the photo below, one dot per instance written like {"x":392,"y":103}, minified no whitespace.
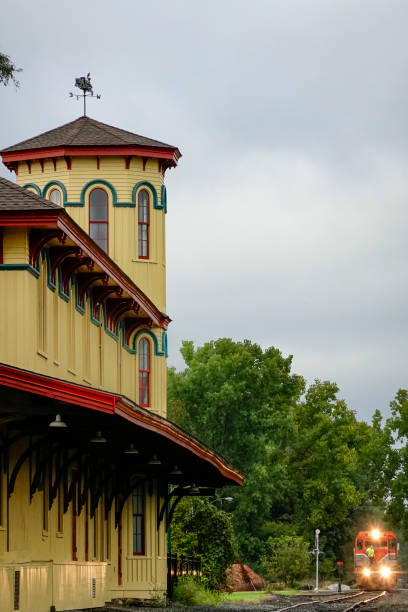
{"x":98,"y":217}
{"x":144,"y":372}
{"x":138,"y":516}
{"x":143,"y":223}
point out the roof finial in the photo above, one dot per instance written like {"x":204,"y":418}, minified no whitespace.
{"x":84,"y":83}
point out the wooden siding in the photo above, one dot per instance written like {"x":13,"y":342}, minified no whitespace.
{"x":48,"y":576}
{"x":149,"y":275}
{"x":43,"y":333}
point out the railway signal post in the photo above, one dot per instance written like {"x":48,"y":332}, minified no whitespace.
{"x":316,"y":552}
{"x":339,"y":574}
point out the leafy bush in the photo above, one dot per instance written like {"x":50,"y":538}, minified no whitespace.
{"x":287,"y":559}
{"x":189,"y":592}
{"x":200,"y":529}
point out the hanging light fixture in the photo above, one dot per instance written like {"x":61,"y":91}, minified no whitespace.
{"x":154,"y":461}
{"x":176,"y":471}
{"x":194,"y":490}
{"x":58,"y":422}
{"x":131,"y":450}
{"x":98,"y":438}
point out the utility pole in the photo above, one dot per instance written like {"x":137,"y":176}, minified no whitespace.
{"x":317,"y":552}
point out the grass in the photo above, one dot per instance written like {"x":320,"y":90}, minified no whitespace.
{"x":245,"y":596}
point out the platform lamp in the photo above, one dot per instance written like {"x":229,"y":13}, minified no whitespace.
{"x":58,"y":423}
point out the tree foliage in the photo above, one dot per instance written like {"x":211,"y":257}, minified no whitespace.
{"x":308,"y":462}
{"x":287,"y":558}
{"x":8,"y":70}
{"x":397,"y":509}
{"x":201,"y":529}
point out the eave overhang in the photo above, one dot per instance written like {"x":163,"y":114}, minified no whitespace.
{"x":169,"y":155}
{"x":60,"y":220}
{"x":64,"y":393}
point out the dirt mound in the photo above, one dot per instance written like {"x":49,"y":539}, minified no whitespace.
{"x":242,"y":578}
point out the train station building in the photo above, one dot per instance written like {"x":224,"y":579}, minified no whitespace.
{"x":90,"y":467}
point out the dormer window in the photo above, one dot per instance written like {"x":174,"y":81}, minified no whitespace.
{"x":98,"y":217}
{"x":55,"y":196}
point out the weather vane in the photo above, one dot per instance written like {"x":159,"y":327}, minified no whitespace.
{"x":84,"y":83}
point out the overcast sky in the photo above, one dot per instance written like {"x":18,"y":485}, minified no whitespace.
{"x":287,"y":219}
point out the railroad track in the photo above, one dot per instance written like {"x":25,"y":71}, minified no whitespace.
{"x":338,"y":601}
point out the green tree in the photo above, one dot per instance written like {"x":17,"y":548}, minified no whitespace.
{"x":8,"y":70}
{"x":307,"y":461}
{"x":239,"y":399}
{"x":287,"y":558}
{"x":323,"y":461}
{"x":397,"y":510}
{"x":201,"y":529}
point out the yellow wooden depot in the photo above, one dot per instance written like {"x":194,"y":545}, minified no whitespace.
{"x":87,"y":455}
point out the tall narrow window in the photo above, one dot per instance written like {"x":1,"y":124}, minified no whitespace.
{"x":42,"y":309}
{"x":45,"y":498}
{"x":143,"y":224}
{"x":55,"y":196}
{"x":138,"y":512}
{"x":144,"y":372}
{"x":98,"y":217}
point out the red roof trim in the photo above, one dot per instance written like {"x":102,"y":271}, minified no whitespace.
{"x":57,"y":389}
{"x":167,"y":430}
{"x":140,"y":151}
{"x":110,"y":403}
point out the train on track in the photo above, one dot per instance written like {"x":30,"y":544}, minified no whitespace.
{"x":377,"y":569}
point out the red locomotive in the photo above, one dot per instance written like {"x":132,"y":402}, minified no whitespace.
{"x":376,"y":559}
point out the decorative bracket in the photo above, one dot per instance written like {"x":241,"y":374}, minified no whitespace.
{"x":99,"y":295}
{"x":57,"y":254}
{"x":68,"y":268}
{"x":86,"y":279}
{"x":39,"y":238}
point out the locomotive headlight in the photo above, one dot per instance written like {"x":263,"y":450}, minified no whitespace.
{"x":375,"y":534}
{"x":385,"y":571}
{"x":366,"y":571}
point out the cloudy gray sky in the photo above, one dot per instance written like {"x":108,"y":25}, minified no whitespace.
{"x":287,"y":215}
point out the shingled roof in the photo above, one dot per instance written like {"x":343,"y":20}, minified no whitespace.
{"x":14,"y":198}
{"x":86,"y":132}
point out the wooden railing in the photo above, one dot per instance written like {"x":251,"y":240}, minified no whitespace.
{"x":178,"y":566}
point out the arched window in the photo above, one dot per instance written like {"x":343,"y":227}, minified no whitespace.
{"x":98,"y":217}
{"x":144,"y":372}
{"x":143,"y":223}
{"x":55,"y":196}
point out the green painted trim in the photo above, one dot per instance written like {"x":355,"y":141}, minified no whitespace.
{"x":164,"y":344}
{"x":148,"y":332}
{"x":152,"y":188}
{"x":110,"y":333}
{"x":163,"y":198}
{"x":156,"y":205}
{"x":27,"y":267}
{"x":97,"y":321}
{"x":65,"y":296}
{"x":68,"y":204}
{"x":33,"y":186}
{"x":100,"y":182}
{"x":57,"y":184}
{"x":152,"y":335}
{"x":45,"y":255}
{"x":78,"y":306}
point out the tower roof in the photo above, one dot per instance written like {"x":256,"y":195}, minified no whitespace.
{"x":86,"y":132}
